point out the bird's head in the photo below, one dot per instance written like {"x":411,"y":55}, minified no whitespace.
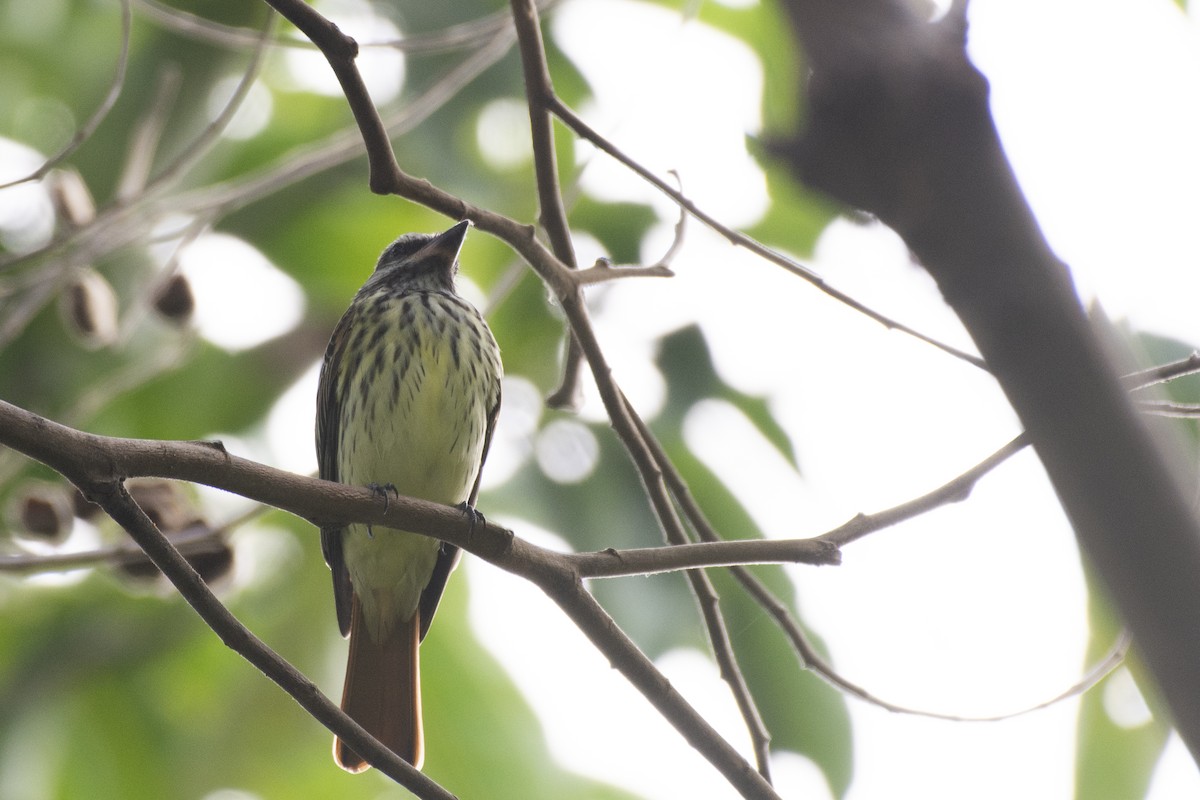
{"x":425,"y":258}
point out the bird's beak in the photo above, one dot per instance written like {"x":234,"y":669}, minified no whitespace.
{"x":446,"y":245}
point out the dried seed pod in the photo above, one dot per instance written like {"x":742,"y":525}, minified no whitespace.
{"x":213,"y":564}
{"x":165,"y":502}
{"x":210,"y":555}
{"x":71,"y":197}
{"x":174,"y":299}
{"x":89,"y":309}
{"x":43,"y":511}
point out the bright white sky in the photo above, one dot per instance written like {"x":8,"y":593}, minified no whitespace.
{"x":1097,"y":105}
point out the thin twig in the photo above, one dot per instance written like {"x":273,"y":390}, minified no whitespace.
{"x":706,"y":596}
{"x":696,"y":555}
{"x":1162,"y":373}
{"x":953,"y":491}
{"x":187,"y":541}
{"x":97,"y":463}
{"x":680,"y":227}
{"x":208,"y":137}
{"x":552,"y":214}
{"x":117,"y":503}
{"x":583,"y":130}
{"x":603,"y":271}
{"x":100,"y":114}
{"x":1162,"y":408}
{"x":463,"y":36}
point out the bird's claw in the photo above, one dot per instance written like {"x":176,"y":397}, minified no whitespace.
{"x":381,"y":490}
{"x":474,"y":515}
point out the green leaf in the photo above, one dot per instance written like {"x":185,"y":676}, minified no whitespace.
{"x":1113,"y":762}
{"x":686,"y":363}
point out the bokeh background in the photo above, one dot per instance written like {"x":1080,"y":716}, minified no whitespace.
{"x":786,"y":412}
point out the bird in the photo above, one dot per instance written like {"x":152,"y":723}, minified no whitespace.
{"x":407,"y":400}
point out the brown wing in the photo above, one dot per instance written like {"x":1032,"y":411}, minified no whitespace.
{"x":449,"y":554}
{"x":329,"y":414}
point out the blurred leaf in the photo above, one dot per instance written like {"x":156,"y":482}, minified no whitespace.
{"x":1114,"y":762}
{"x":800,"y":710}
{"x":686,"y":363}
{"x":620,"y":227}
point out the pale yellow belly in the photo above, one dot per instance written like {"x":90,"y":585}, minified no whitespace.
{"x":425,"y":439}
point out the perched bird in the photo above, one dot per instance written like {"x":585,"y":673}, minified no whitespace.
{"x":407,"y":400}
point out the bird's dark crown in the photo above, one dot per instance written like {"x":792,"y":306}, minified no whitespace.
{"x":404,"y":247}
{"x":421,"y":260}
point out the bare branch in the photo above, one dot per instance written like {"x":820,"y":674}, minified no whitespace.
{"x":99,"y":115}
{"x":653,"y":560}
{"x":463,"y":36}
{"x":1162,"y":373}
{"x":706,"y":596}
{"x":952,"y":491}
{"x":603,"y":271}
{"x":117,"y":503}
{"x":583,"y":130}
{"x":899,"y":124}
{"x":97,"y":464}
{"x":1162,"y":408}
{"x":553,"y":216}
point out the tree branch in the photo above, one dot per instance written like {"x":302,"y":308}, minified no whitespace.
{"x":200,"y":539}
{"x":98,"y":116}
{"x":585,"y":131}
{"x":553,"y":215}
{"x":97,"y":464}
{"x":707,"y":597}
{"x":898,"y":124}
{"x":116,"y":502}
{"x":340,"y":51}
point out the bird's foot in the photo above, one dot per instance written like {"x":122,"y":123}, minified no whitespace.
{"x":474,"y":515}
{"x":381,"y":490}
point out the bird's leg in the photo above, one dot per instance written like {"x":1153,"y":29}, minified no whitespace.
{"x":474,"y":515}
{"x":381,"y":490}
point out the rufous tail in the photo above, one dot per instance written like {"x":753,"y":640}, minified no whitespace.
{"x":383,"y":690}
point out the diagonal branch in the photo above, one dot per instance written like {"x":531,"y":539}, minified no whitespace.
{"x":553,"y":215}
{"x":899,"y":124}
{"x":386,"y":176}
{"x":585,"y":131}
{"x":99,"y":463}
{"x":539,"y":90}
{"x":340,"y":51}
{"x":708,"y":599}
{"x":116,"y":502}
{"x":99,"y":115}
